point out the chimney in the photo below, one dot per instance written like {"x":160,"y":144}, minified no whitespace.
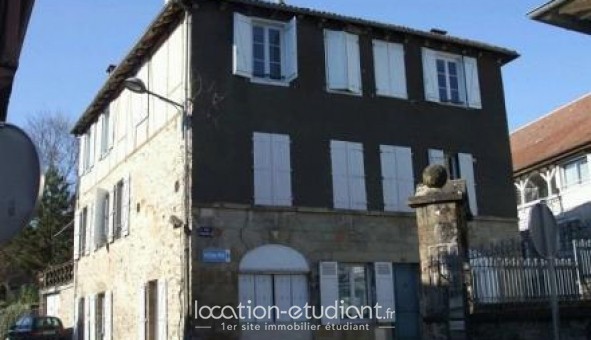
{"x":111,"y":68}
{"x":438,"y":31}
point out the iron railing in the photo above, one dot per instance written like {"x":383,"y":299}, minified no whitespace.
{"x":57,"y":275}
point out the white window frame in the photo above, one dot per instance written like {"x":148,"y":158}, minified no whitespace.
{"x":342,"y":63}
{"x":344,"y":176}
{"x":447,"y":87}
{"x":379,"y":282}
{"x":397,"y":177}
{"x":106,"y":132}
{"x":389,"y":69}
{"x":272,"y":181}
{"x":468,"y":78}
{"x":243,"y":49}
{"x":578,"y":163}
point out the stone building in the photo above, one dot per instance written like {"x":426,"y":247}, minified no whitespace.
{"x":267,"y":160}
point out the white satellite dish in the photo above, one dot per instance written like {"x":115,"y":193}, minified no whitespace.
{"x":20,"y":180}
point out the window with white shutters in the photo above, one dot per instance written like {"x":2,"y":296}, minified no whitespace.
{"x":450,"y":78}
{"x":343,"y":67}
{"x":389,"y":69}
{"x":80,"y":235}
{"x":348,"y":175}
{"x":264,"y":50}
{"x":397,"y":177}
{"x":272,"y":169}
{"x":101,"y":217}
{"x":357,"y":285}
{"x":459,"y":166}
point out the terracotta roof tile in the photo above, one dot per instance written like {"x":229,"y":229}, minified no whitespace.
{"x":563,"y":130}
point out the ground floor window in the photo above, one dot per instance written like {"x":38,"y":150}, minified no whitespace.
{"x":152,"y":314}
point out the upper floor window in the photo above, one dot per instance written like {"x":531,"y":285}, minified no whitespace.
{"x":397,"y":177}
{"x":348,"y":175}
{"x":80,"y":230}
{"x":265,"y":50}
{"x":106,"y":132}
{"x":272,"y":169}
{"x":389,"y":69}
{"x":343,"y":68}
{"x":575,"y":172}
{"x":459,"y":166}
{"x":451,"y":78}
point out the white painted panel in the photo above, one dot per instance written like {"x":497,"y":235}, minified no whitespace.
{"x":467,"y":172}
{"x":389,"y":178}
{"x":299,"y":292}
{"x":263,"y":296}
{"x":405,"y":176}
{"x":263,"y":168}
{"x":358,"y":196}
{"x":340,"y":174}
{"x":436,"y":157}
{"x":242,"y":49}
{"x":472,"y":82}
{"x":335,"y":60}
{"x":430,"y":75}
{"x":126,"y":206}
{"x":52,"y":305}
{"x":329,"y":288}
{"x":246,"y":293}
{"x":353,"y":63}
{"x":77,"y":235}
{"x":162,"y":310}
{"x":291,"y":50}
{"x":141,"y":313}
{"x":384,"y":288}
{"x":281,"y":170}
{"x":381,"y":67}
{"x":397,"y":70}
{"x":282,"y":287}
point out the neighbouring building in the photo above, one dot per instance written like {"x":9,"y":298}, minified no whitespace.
{"x":570,"y":14}
{"x":551,"y":158}
{"x":270,"y":161}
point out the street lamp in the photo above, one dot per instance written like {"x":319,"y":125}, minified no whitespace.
{"x":137,"y":85}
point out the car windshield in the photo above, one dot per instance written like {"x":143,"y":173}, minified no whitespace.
{"x":46,"y":323}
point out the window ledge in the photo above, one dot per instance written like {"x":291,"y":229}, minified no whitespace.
{"x":461,"y":106}
{"x":265,"y":81}
{"x":345,"y":92}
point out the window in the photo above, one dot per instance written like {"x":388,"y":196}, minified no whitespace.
{"x":460,"y":165}
{"x":343,"y":68}
{"x":360,"y":285}
{"x":451,"y":78}
{"x":152,"y":314}
{"x":272,"y":169}
{"x":102,"y":217}
{"x":348,"y":175}
{"x":265,"y":50}
{"x":118,"y":210}
{"x":80,"y":320}
{"x":397,"y":177}
{"x":389,"y":69}
{"x":99,"y":324}
{"x":575,"y":172}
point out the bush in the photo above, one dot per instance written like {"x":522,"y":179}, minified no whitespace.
{"x":9,"y":315}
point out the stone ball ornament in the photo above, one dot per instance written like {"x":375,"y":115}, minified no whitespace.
{"x":435,"y":176}
{"x":20,"y":181}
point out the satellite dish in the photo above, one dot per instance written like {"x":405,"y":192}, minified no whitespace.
{"x":20,"y":180}
{"x":543,"y":230}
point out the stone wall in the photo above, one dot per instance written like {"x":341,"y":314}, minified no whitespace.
{"x":66,"y":302}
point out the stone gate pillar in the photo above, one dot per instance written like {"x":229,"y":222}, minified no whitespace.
{"x":442,"y":213}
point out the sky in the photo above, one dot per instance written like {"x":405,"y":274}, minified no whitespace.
{"x":70,"y":43}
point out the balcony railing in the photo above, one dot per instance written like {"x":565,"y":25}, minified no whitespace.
{"x":57,"y":275}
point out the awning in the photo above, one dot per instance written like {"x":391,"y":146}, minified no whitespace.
{"x":14,"y":19}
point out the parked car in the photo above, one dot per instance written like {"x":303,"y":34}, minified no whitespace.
{"x":32,"y":327}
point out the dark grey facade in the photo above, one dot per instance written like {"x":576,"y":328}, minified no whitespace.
{"x":229,"y":109}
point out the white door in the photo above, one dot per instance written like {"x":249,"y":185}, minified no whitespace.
{"x":52,"y":303}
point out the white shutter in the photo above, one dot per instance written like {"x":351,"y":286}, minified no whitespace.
{"x":242,"y":49}
{"x":291,"y":50}
{"x":77,"y":235}
{"x":263,"y":168}
{"x":405,"y":177}
{"x":299,"y":292}
{"x":87,"y":318}
{"x":162,"y":310}
{"x":397,"y":70}
{"x":246,"y":292}
{"x":91,"y":140}
{"x":336,"y":60}
{"x":437,"y":157}
{"x":430,"y":75}
{"x":467,"y":172}
{"x":76,"y":328}
{"x":385,"y":289}
{"x":263,"y":286}
{"x":282,"y":287}
{"x":93,"y":316}
{"x":357,"y":192}
{"x":126,"y":203}
{"x":472,"y":83}
{"x":340,"y":174}
{"x":89,"y":246}
{"x":110,"y":221}
{"x":329,"y":289}
{"x":353,"y":63}
{"x":81,"y":145}
{"x":281,"y":170}
{"x":381,"y":67}
{"x":108,"y":312}
{"x":141,"y":316}
{"x":99,"y":136}
{"x":389,"y":178}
